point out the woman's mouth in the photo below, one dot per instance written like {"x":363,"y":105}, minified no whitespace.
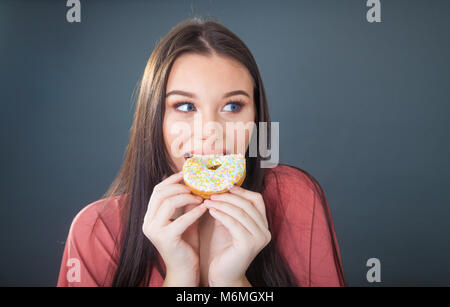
{"x":192,"y":153}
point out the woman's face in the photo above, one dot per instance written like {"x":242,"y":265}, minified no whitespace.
{"x":209,"y":107}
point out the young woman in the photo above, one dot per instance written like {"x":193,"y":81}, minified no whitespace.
{"x":150,"y":230}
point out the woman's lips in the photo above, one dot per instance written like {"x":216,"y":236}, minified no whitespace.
{"x":191,"y":153}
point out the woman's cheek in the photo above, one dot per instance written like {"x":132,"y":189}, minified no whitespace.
{"x":174,"y":136}
{"x":238,"y":139}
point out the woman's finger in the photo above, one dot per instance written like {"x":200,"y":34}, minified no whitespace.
{"x":179,"y":226}
{"x":238,"y":232}
{"x":237,"y":213}
{"x":245,"y":205}
{"x":169,"y":205}
{"x":255,"y":198}
{"x":159,"y":196}
{"x":174,"y":178}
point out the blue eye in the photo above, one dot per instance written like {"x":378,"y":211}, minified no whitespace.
{"x":233,"y":107}
{"x":185,"y":107}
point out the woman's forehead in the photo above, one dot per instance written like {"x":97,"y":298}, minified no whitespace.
{"x":208,"y":75}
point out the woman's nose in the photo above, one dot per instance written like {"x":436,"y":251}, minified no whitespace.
{"x":211,"y":125}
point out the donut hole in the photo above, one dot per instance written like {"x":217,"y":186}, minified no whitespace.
{"x":213,"y":164}
{"x":213,"y":167}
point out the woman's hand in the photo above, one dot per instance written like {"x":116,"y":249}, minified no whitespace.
{"x":243,"y":214}
{"x":180,"y":257}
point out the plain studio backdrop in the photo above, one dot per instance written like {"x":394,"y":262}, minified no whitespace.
{"x":363,"y":107}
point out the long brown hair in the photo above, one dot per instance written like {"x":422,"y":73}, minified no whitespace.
{"x":146,"y":160}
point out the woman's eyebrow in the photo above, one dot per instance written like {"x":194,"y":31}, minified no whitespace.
{"x":192,"y":95}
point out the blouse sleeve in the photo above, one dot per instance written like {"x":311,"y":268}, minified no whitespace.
{"x":324,"y":251}
{"x":306,"y":239}
{"x":88,"y":252}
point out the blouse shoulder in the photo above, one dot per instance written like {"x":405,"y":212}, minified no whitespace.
{"x":289,"y":176}
{"x":289,"y":183}
{"x":89,"y":253}
{"x":98,"y":215}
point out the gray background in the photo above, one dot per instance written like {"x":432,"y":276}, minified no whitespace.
{"x":363,"y":107}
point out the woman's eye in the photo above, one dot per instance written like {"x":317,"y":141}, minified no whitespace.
{"x":233,"y":107}
{"x":185,"y":107}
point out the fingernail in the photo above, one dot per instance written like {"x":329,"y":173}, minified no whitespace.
{"x":233,"y":188}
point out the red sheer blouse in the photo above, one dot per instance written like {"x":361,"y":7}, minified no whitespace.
{"x":301,"y":222}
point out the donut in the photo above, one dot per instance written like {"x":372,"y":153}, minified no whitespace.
{"x":212,"y":174}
